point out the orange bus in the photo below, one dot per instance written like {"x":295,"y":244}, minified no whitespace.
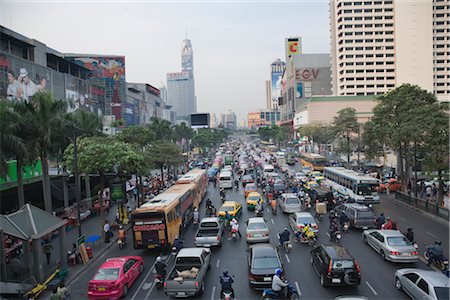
{"x":157,"y":222}
{"x":314,"y":161}
{"x":199,"y":178}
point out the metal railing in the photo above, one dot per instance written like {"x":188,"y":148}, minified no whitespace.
{"x":423,"y":204}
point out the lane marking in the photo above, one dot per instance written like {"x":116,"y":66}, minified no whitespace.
{"x":422,"y":259}
{"x":145,"y":279}
{"x":373,"y":290}
{"x":287,"y":258}
{"x":272,"y":221}
{"x":268,"y":210}
{"x":213,"y":292}
{"x":403,"y":219}
{"x":150,"y":291}
{"x":328,"y":234}
{"x":298,"y":288}
{"x":147,"y":285}
{"x":217,"y":263}
{"x":431,"y":234}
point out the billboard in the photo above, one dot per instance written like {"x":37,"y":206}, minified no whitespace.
{"x":200,"y":120}
{"x":293,"y":46}
{"x":276,"y":88}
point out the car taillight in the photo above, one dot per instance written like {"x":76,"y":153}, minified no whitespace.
{"x":218,"y":238}
{"x":165,"y":284}
{"x":329,"y":267}
{"x":299,"y":226}
{"x":357,"y":268}
{"x":395,"y":253}
{"x":251,"y":278}
{"x":249,"y":235}
{"x":196,"y":284}
{"x":315,"y":226}
{"x":415,"y":253}
{"x":163,"y":242}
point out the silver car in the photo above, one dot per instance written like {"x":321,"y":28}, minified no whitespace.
{"x":391,"y":244}
{"x":423,"y":284}
{"x":298,"y":220}
{"x":257,"y":231}
{"x":290,"y":203}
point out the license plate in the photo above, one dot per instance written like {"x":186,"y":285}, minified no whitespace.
{"x":101,"y":289}
{"x":150,"y":246}
{"x":335,"y":280}
{"x":257,"y":235}
{"x":406,"y":254}
{"x":267,"y":278}
{"x":181,"y":294}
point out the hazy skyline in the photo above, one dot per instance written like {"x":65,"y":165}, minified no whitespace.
{"x":234,"y":43}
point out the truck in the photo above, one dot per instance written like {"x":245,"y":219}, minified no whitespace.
{"x":187,"y":277}
{"x":209,"y":233}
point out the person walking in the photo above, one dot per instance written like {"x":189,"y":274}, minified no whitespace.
{"x":48,"y":249}
{"x":107,"y":230}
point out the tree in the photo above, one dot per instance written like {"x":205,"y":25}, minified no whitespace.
{"x":139,"y":136}
{"x":164,"y":154}
{"x":372,"y":140}
{"x":345,"y":125}
{"x":320,"y":134}
{"x":182,"y":132}
{"x":162,"y":129}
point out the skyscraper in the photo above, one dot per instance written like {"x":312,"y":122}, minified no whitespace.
{"x":181,"y":86}
{"x":276,"y":72}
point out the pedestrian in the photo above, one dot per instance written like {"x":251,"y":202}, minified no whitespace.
{"x":428,"y":191}
{"x":48,"y":249}
{"x":107,"y":230}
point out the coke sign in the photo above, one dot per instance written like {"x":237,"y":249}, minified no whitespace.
{"x":149,"y":227}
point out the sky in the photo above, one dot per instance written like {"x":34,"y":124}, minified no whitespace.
{"x":234,"y":42}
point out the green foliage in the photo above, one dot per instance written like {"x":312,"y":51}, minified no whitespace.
{"x":182,"y":131}
{"x":207,"y":138}
{"x":163,"y":154}
{"x":345,"y":123}
{"x":320,"y":134}
{"x":139,"y":136}
{"x":278,"y":134}
{"x":162,"y":129}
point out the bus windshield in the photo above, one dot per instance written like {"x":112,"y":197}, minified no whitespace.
{"x":366,"y":189}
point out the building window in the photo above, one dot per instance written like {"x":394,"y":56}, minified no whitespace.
{"x":359,"y":71}
{"x":358,"y":19}
{"x":358,"y":48}
{"x":358,"y":26}
{"x":360,"y":86}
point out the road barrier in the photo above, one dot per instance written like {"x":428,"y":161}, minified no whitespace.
{"x":423,"y":204}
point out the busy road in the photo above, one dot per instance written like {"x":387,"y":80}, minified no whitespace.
{"x":377,"y":276}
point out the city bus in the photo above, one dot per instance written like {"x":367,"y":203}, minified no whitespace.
{"x":157,"y":222}
{"x":359,"y":187}
{"x":315,"y":162}
{"x":199,"y":178}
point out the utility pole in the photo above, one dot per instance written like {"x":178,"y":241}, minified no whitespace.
{"x":77,"y":181}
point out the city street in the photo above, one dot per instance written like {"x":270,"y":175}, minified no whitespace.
{"x":377,"y":275}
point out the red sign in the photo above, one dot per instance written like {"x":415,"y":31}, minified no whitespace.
{"x":149,"y":227}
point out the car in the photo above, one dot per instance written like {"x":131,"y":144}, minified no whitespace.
{"x":232,"y":207}
{"x":423,"y":284}
{"x":263,"y":260}
{"x":227,"y":168}
{"x":307,"y":170}
{"x":298,"y":220}
{"x":300,"y":176}
{"x":278,"y":189}
{"x":290,"y":203}
{"x":335,"y":266}
{"x":318,"y":176}
{"x":392,"y":245}
{"x":310,"y":184}
{"x":284,"y":168}
{"x":115,"y":277}
{"x":360,"y":216}
{"x":249,"y":188}
{"x":252,"y":200}
{"x":257,"y":230}
{"x":247,"y":179}
{"x":390,"y":184}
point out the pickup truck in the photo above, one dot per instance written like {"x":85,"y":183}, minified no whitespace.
{"x":209,"y":233}
{"x":187,"y":277}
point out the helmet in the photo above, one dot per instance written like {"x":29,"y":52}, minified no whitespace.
{"x":438,"y":242}
{"x":286,"y":229}
{"x":120,"y":227}
{"x":196,"y":209}
{"x":382,"y":214}
{"x":388,"y":218}
{"x":225,"y":272}
{"x":177,"y":237}
{"x":158,"y":259}
{"x":409,"y":229}
{"x":278,"y":272}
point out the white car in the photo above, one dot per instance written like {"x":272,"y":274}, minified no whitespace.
{"x":298,"y":220}
{"x":300,"y":176}
{"x":257,"y":230}
{"x":290,"y":203}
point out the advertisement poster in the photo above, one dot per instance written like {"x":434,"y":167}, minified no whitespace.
{"x":293,"y":46}
{"x":276,"y":87}
{"x":299,"y":90}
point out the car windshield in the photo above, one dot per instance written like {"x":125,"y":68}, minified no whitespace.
{"x":250,"y":187}
{"x":257,"y":226}
{"x":306,"y":220}
{"x":266,"y":263}
{"x":107,"y":274}
{"x":254,"y":198}
{"x":278,"y":187}
{"x":227,"y":208}
{"x":398,"y":241}
{"x":343,"y":264}
{"x":442,"y":293}
{"x":299,"y":175}
{"x":365,"y":214}
{"x":366,"y":189}
{"x":209,"y":224}
{"x":292,"y":201}
{"x":248,"y":177}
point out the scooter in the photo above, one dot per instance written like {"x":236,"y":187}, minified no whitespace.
{"x":287,"y":245}
{"x":274,"y":209}
{"x":440,"y":262}
{"x":227,"y":295}
{"x":258,"y":212}
{"x":233,"y":235}
{"x":298,"y":238}
{"x":335,"y":236}
{"x":159,"y":281}
{"x":121,"y":243}
{"x":289,"y":292}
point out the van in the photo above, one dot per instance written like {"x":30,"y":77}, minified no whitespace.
{"x":268,"y":169}
{"x":225,"y":180}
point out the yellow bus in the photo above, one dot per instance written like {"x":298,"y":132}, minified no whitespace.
{"x":314,"y":161}
{"x":157,"y":222}
{"x":199,"y":178}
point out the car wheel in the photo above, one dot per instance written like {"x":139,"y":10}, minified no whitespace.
{"x":322,"y":281}
{"x":383,"y":256}
{"x":125,"y":290}
{"x":398,"y":284}
{"x":365,"y":239}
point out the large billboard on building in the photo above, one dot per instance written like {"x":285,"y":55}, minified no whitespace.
{"x":276,"y":88}
{"x":293,"y":46}
{"x":199,"y":120}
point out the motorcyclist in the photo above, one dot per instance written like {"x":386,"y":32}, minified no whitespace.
{"x":388,"y":225}
{"x":196,"y":215}
{"x":208,"y":203}
{"x":258,"y":208}
{"x":380,"y":220}
{"x":226,"y":282}
{"x":178,"y":243}
{"x":435,"y":252}
{"x":307,"y":232}
{"x":160,"y":267}
{"x":273,"y":203}
{"x":333,"y":228}
{"x":343,"y":218}
{"x":284,"y":236}
{"x":410,"y":235}
{"x":236,"y":183}
{"x":222,"y":193}
{"x":278,"y":284}
{"x":122,"y":234}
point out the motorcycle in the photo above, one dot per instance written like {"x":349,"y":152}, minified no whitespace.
{"x":159,"y":281}
{"x":287,"y":245}
{"x":298,"y":238}
{"x":289,"y":292}
{"x":274,"y":209}
{"x":227,"y":295}
{"x":233,"y":235}
{"x":345,"y":227}
{"x":258,"y":212}
{"x":440,"y":262}
{"x":121,"y":243}
{"x":335,"y":236}
{"x":195,"y":221}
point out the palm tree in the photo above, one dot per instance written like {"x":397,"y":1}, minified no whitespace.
{"x":161,"y":128}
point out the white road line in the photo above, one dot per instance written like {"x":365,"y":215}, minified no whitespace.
{"x":268,"y":210}
{"x":287,"y":258}
{"x":431,"y":234}
{"x":149,"y":292}
{"x":328,"y":234}
{"x":403,"y":219}
{"x":213,"y":292}
{"x":145,"y":279}
{"x":217,"y":263}
{"x":373,"y":290}
{"x":147,"y":285}
{"x":272,"y":221}
{"x":298,"y":288}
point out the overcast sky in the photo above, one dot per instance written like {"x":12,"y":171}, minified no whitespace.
{"x":234,"y":42}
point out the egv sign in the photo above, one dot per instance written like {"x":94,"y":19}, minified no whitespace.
{"x":306,"y":74}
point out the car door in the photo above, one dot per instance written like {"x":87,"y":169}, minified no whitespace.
{"x":135,"y":269}
{"x":423,"y":290}
{"x":127,"y":274}
{"x":409,"y":283}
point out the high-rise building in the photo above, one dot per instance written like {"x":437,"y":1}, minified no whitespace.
{"x":262,"y":118}
{"x":378,"y":45}
{"x":181,"y":86}
{"x":229,"y":120}
{"x":276,"y":73}
{"x":268,"y":95}
{"x":441,"y":48}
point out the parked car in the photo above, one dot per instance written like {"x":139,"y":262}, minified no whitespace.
{"x":263,"y":260}
{"x":360,"y":216}
{"x":335,"y":266}
{"x":257,"y":230}
{"x":290,"y":203}
{"x":423,"y":284}
{"x":298,"y":220}
{"x":209,"y":233}
{"x":115,"y":277}
{"x":392,"y":245}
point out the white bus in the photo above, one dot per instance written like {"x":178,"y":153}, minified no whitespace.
{"x":225,"y":180}
{"x":357,"y":186}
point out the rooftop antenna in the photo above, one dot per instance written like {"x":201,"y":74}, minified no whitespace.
{"x":186,"y":33}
